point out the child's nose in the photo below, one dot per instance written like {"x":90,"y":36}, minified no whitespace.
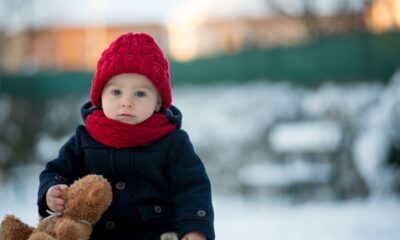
{"x":127,"y":102}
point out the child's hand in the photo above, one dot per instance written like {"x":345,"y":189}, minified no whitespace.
{"x":53,"y":197}
{"x":194,"y":236}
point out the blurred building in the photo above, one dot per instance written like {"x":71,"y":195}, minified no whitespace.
{"x":62,"y":48}
{"x":383,"y":15}
{"x":78,"y":48}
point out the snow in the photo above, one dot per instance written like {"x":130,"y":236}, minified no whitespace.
{"x":226,"y":110}
{"x":307,"y":136}
{"x":379,"y":126}
{"x":19,"y":195}
{"x":246,"y":218}
{"x":228,"y":125}
{"x":284,"y":174}
{"x":241,"y":219}
{"x":48,"y":147}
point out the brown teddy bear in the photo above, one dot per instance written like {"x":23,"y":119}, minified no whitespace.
{"x":85,"y":201}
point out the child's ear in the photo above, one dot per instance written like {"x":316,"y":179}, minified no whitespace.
{"x":159,"y":104}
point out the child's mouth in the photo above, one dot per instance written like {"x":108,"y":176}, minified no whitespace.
{"x":126,"y":115}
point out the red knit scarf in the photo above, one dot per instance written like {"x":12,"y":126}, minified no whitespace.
{"x":122,"y":135}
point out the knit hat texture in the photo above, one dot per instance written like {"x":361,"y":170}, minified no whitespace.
{"x":133,"y":53}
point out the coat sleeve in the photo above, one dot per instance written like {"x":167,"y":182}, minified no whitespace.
{"x":190,"y":188}
{"x":62,"y":170}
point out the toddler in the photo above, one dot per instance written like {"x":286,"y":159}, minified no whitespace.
{"x":132,"y":136}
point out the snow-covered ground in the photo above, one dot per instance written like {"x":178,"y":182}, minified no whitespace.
{"x":245,"y":218}
{"x":241,"y":219}
{"x":225,"y":121}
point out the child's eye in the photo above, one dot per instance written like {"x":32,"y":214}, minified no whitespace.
{"x":140,"y":94}
{"x":116,"y":92}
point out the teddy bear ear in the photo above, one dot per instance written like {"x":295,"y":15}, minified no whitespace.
{"x":93,"y":196}
{"x":97,"y":196}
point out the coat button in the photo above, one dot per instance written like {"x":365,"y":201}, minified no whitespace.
{"x":120,"y":185}
{"x":201,"y":213}
{"x":157,"y":209}
{"x":110,"y":225}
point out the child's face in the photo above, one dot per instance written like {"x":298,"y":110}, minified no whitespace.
{"x":130,"y":98}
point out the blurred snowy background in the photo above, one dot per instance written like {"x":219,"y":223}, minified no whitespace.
{"x":296,"y":122}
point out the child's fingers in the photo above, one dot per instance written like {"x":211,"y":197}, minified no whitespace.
{"x":57,"y":190}
{"x":56,"y":204}
{"x":57,"y":201}
{"x":56,"y":208}
{"x":194,"y":236}
{"x":53,"y":197}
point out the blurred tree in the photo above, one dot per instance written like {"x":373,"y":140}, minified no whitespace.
{"x":339,"y":16}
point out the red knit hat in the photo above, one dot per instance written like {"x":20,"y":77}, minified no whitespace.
{"x":133,"y":53}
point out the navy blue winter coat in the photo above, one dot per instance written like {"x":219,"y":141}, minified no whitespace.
{"x":157,"y":188}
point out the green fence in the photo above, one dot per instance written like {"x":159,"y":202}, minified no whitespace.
{"x":354,"y":57}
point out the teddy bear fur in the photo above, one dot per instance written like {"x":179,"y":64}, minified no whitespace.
{"x":85,"y":201}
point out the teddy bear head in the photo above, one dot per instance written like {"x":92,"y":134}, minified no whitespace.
{"x":88,"y":198}
{"x":85,"y":201}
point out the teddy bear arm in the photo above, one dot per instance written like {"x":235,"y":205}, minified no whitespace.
{"x":38,"y":235}
{"x":14,"y":229}
{"x":69,"y":229}
{"x":47,"y":226}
